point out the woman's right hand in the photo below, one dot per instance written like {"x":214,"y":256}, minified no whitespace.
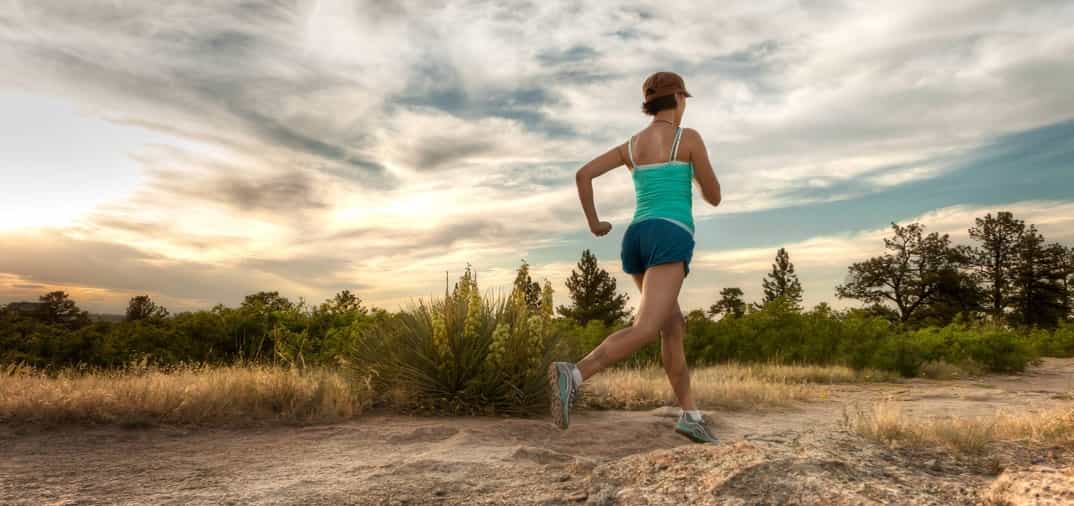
{"x":601,"y":228}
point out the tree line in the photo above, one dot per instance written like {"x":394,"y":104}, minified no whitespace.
{"x":1012,"y":277}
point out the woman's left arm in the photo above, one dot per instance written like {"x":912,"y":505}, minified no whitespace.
{"x":584,"y":179}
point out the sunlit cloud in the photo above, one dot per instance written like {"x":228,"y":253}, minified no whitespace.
{"x":223,"y":147}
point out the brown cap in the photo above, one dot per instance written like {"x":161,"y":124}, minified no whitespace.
{"x":662,"y":84}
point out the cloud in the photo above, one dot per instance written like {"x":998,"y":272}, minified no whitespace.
{"x":229,"y":70}
{"x":88,"y":266}
{"x":288,"y":191}
{"x":327,"y":274}
{"x":786,"y":91}
{"x":320,"y":144}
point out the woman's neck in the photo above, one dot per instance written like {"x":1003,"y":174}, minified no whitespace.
{"x":667,"y":116}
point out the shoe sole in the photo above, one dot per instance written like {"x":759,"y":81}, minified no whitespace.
{"x":691,"y":437}
{"x":556,"y":405}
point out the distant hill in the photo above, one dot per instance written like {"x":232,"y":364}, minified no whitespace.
{"x":113,"y":318}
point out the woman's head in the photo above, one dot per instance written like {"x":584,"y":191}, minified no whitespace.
{"x":664,"y":91}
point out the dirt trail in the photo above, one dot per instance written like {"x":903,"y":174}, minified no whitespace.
{"x":603,"y":458}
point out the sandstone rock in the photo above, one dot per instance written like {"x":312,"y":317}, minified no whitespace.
{"x":1036,"y":485}
{"x":753,"y":473}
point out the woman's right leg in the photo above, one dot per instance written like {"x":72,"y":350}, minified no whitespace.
{"x":659,"y":297}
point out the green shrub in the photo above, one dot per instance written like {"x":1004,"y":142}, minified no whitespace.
{"x":464,"y":354}
{"x":579,"y":339}
{"x":860,"y":336}
{"x":899,"y":354}
{"x":779,"y":333}
{"x":994,"y":348}
{"x":999,"y":350}
{"x":1059,"y":343}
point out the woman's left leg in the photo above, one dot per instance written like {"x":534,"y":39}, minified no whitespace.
{"x":672,"y":355}
{"x":673,"y":358}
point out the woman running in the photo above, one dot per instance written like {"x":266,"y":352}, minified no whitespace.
{"x":656,"y":248}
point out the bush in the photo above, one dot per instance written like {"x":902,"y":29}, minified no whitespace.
{"x":999,"y":350}
{"x":464,"y":354}
{"x":1059,"y":343}
{"x":994,"y":348}
{"x":779,"y":333}
{"x":268,"y":329}
{"x":898,"y":354}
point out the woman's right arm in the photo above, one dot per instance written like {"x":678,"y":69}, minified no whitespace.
{"x":584,"y":179}
{"x":703,"y":173}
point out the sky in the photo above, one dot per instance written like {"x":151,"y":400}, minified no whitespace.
{"x":200,"y":151}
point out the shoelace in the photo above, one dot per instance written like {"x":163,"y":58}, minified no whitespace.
{"x":703,"y":425}
{"x":703,"y":422}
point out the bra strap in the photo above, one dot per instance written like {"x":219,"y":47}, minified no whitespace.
{"x":675,"y":145}
{"x":630,"y":151}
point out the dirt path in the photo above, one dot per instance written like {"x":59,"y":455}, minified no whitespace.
{"x":391,"y":459}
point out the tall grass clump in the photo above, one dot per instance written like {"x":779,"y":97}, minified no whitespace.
{"x":463,"y":354}
{"x":197,"y":395}
{"x":886,"y":423}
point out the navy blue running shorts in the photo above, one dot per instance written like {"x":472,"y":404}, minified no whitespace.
{"x":656,"y":241}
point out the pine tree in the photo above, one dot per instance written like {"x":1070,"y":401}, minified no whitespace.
{"x":526,"y":289}
{"x":956,"y":293}
{"x":593,"y":294}
{"x":993,"y":260}
{"x":1038,"y":279}
{"x":143,"y":308}
{"x":782,"y":281}
{"x":730,"y":304}
{"x":1068,"y":282}
{"x":344,"y":302}
{"x":266,"y":302}
{"x":59,"y":309}
{"x":911,"y":274}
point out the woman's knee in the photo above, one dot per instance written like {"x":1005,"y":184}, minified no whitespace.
{"x":648,"y":329}
{"x":674,"y":327}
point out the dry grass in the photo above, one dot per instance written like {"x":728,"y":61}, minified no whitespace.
{"x":886,"y":423}
{"x":820,"y":374}
{"x":234,"y":395}
{"x":946,"y":371}
{"x":240,"y":395}
{"x":729,"y":386}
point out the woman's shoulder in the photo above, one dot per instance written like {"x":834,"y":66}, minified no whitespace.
{"x":691,"y":138}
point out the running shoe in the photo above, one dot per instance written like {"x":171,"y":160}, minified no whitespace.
{"x":697,"y":430}
{"x":562,"y":392}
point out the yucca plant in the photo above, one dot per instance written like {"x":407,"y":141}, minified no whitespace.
{"x":463,"y":354}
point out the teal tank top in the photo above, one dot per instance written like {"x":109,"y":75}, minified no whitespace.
{"x":664,"y":190}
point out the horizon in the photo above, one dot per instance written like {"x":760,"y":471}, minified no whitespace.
{"x":199,"y":154}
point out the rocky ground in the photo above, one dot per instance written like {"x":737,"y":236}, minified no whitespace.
{"x":801,"y":455}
